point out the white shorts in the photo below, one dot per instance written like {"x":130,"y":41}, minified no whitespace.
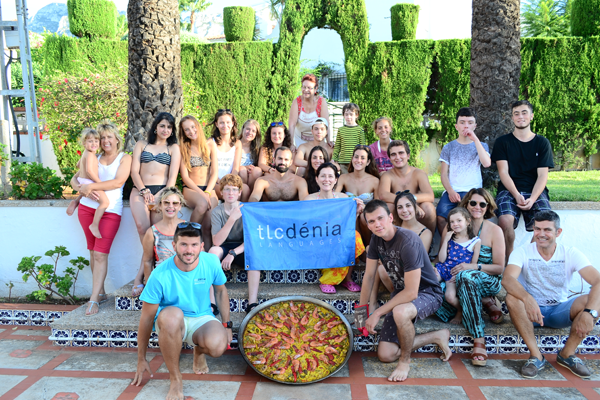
{"x":191,"y":325}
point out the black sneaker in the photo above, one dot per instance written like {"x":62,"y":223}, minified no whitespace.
{"x":531,"y":368}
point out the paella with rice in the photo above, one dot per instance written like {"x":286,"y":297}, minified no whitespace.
{"x":295,"y":341}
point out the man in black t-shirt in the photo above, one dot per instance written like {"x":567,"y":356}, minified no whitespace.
{"x":523,"y":160}
{"x":417,"y":293}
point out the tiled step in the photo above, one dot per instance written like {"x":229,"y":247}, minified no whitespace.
{"x":112,"y":328}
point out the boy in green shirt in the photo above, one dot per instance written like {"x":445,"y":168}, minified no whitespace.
{"x":348,"y":136}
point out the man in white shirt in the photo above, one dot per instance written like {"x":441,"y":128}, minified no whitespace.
{"x":537,"y":282}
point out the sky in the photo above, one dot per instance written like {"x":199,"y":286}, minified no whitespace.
{"x":438,"y":19}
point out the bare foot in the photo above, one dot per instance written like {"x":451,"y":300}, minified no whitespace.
{"x":95,"y":231}
{"x":441,"y":338}
{"x":457,"y":320}
{"x":175,"y":390}
{"x":72,"y":206}
{"x":400,"y":373}
{"x":200,"y":367}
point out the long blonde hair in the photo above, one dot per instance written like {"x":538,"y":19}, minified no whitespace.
{"x":185,"y":143}
{"x":107,"y":125}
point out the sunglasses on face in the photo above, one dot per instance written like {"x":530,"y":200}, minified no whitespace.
{"x":183,"y":225}
{"x":277,"y":123}
{"x":482,"y":204}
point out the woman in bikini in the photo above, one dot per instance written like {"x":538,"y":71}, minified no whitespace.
{"x":229,"y":148}
{"x":199,"y":173}
{"x":251,"y":138}
{"x":151,"y":170}
{"x":362,"y":181}
{"x":305,"y":109}
{"x":316,"y":157}
{"x":158,"y":241}
{"x":277,"y":135}
{"x":327,"y":177}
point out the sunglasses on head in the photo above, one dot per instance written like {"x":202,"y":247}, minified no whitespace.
{"x":224,"y":110}
{"x":183,"y":225}
{"x":277,"y":123}
{"x":403,"y":192}
{"x":482,"y":204}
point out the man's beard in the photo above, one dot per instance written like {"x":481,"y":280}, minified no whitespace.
{"x":282,"y":168}
{"x":180,"y":256}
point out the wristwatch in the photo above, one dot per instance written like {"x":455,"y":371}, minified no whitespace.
{"x":232,"y":253}
{"x":593,"y":312}
{"x":478,"y":267}
{"x":228,"y":325}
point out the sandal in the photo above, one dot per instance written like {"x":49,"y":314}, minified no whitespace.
{"x":137,"y":290}
{"x":250,"y":306}
{"x":88,"y":312}
{"x":479,"y":363}
{"x":495,"y":313}
{"x":327,"y":289}
{"x":351,"y":286}
{"x":103,"y":298}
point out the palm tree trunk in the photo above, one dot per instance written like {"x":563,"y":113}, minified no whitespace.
{"x":192,"y":20}
{"x":495,"y":68}
{"x":154,"y":65}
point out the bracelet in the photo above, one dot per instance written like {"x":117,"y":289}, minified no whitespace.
{"x":208,"y":192}
{"x":143,"y":190}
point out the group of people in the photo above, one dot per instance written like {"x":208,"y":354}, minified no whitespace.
{"x":396,"y":218}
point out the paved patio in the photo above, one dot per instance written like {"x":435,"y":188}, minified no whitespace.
{"x":32,"y":368}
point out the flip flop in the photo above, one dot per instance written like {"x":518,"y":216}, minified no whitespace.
{"x":137,"y":290}
{"x":87,"y":313}
{"x":327,"y":289}
{"x":351,"y":286}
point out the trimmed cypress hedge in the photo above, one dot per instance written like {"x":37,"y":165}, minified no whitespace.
{"x":92,"y":18}
{"x":405,"y":18}
{"x":67,"y":54}
{"x":239,"y":23}
{"x":585,"y":18}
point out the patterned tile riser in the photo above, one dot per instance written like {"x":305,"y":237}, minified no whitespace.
{"x":29,"y":317}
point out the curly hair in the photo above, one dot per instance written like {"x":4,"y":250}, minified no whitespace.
{"x":269,"y":146}
{"x":231,"y":180}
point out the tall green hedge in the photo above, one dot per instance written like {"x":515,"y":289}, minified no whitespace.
{"x":585,"y":18}
{"x":239,"y":23}
{"x":92,"y":18}
{"x":405,"y":18}
{"x":67,"y":54}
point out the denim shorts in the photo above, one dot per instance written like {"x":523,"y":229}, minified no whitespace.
{"x":558,"y":316}
{"x":508,"y":205}
{"x":444,"y":206}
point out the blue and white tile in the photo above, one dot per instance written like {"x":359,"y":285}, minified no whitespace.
{"x":355,"y":275}
{"x":591,"y":341}
{"x":549,"y":343}
{"x":452,"y":343}
{"x":80,"y":337}
{"x":37,"y":318}
{"x":234,"y":305}
{"x":153,"y":342}
{"x":61,"y":333}
{"x":362,"y":344}
{"x":293,"y":276}
{"x":21,"y":317}
{"x":508,"y":340}
{"x":353,"y":303}
{"x":123,"y":303}
{"x":490,"y":344}
{"x":133,"y":335}
{"x":310,"y":276}
{"x":117,"y":335}
{"x":243,"y":304}
{"x":100,"y":337}
{"x":264,"y":276}
{"x":260,"y":301}
{"x":504,"y":308}
{"x":430,"y":348}
{"x":525,"y":349}
{"x":242,"y":276}
{"x":229,"y":276}
{"x":137,"y":304}
{"x":234,"y":341}
{"x":53,"y":316}
{"x":4,"y":317}
{"x":277,"y":277}
{"x":465,"y":340}
{"x":341,"y":305}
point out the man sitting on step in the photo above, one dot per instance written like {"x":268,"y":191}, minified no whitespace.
{"x":417,"y":293}
{"x":537,"y":284}
{"x":178,"y":291}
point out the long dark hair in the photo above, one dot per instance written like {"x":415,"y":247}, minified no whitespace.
{"x":369,"y":169}
{"x":163,"y":116}
{"x":216,"y":134}
{"x":409,"y":197}
{"x":270,"y":146}
{"x":310,"y":174}
{"x":254,"y":144}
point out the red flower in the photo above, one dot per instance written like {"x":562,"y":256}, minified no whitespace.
{"x":85,"y":79}
{"x":118,"y":115}
{"x":41,"y":137}
{"x":56,"y":104}
{"x":78,"y":152}
{"x":65,"y":141}
{"x":66,"y":81}
{"x":43,"y":99}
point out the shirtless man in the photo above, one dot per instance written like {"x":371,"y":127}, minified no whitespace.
{"x":404,"y":177}
{"x":282,"y":184}
{"x":319,"y":132}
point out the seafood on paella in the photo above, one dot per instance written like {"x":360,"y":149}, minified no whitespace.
{"x":295,"y":341}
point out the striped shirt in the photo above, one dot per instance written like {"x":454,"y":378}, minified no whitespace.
{"x":347,"y":139}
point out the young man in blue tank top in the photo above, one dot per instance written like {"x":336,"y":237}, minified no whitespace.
{"x":184,"y":316}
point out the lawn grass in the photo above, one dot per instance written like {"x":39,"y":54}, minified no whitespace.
{"x":562,"y":186}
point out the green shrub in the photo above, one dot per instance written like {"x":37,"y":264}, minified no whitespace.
{"x":405,"y":18}
{"x":47,"y":278}
{"x":189,"y":37}
{"x":34,"y":181}
{"x":239,"y":23}
{"x":585,"y":18}
{"x":92,"y":18}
